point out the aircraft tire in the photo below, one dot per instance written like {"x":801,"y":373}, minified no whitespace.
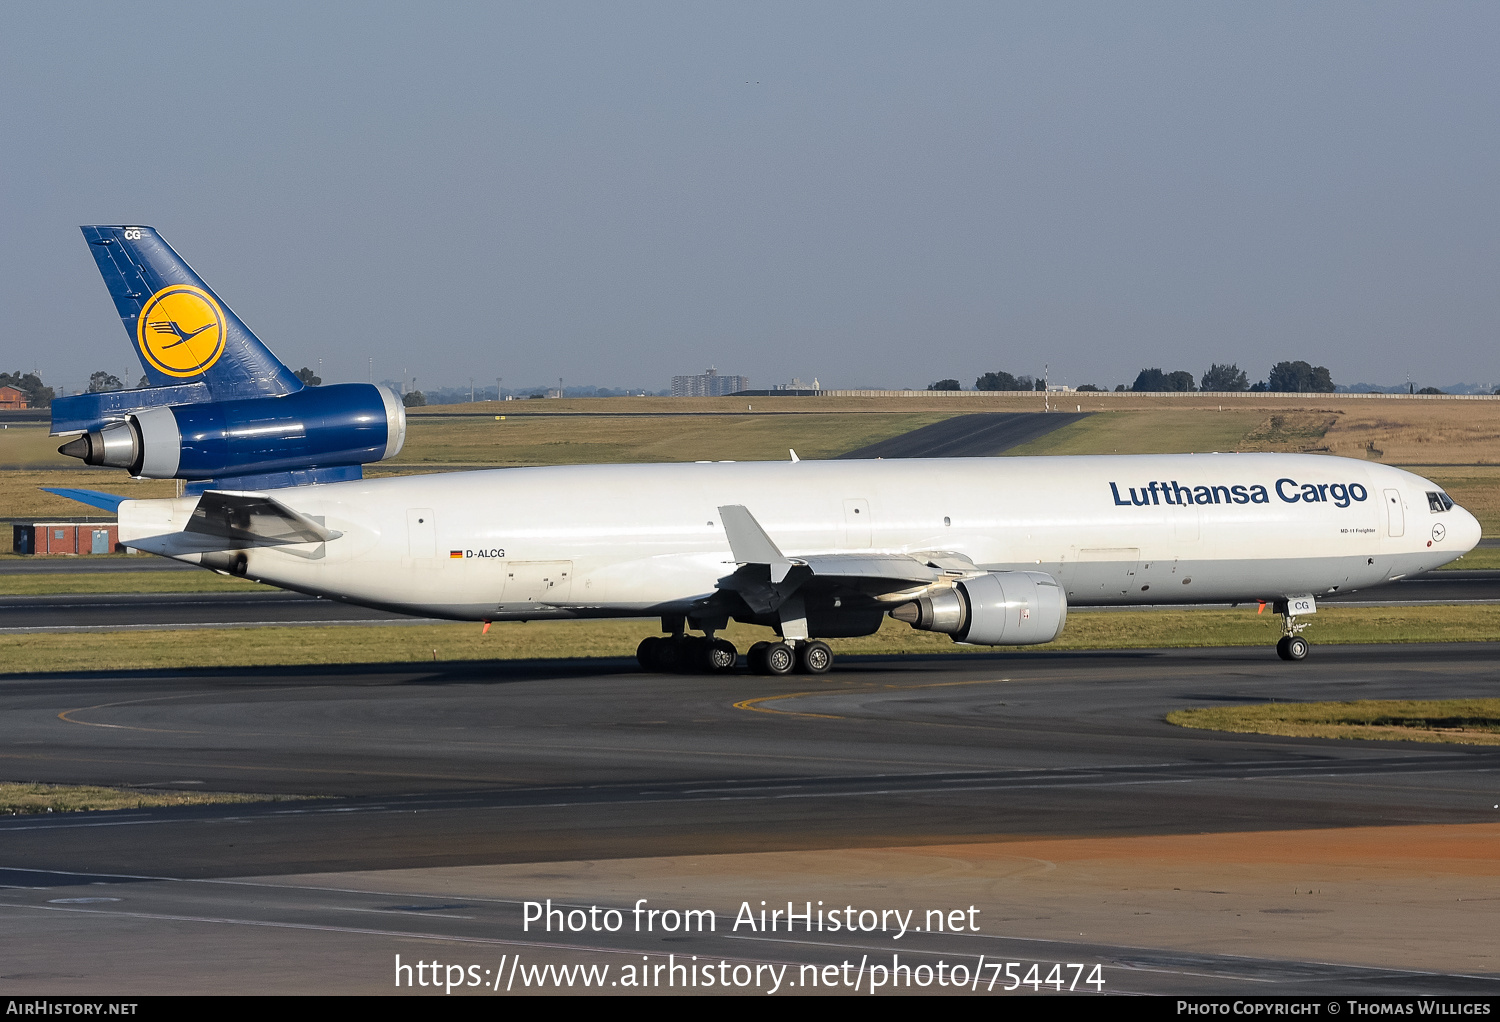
{"x":646,"y":652}
{"x":692,"y":655}
{"x":720,"y":656}
{"x":1292,"y":647}
{"x":668,"y":655}
{"x":814,"y":658}
{"x":780,"y":659}
{"x":756,"y":658}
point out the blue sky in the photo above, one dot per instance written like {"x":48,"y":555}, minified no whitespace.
{"x":873,"y":194}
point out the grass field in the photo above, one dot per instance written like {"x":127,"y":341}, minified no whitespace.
{"x":1476,"y":488}
{"x":26,"y":799}
{"x":1168,"y":431}
{"x":1451,"y":721}
{"x":60,"y":583}
{"x":590,"y":440}
{"x":423,"y":643}
{"x":1486,"y":557}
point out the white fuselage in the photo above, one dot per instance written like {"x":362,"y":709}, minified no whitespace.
{"x":638,"y":540}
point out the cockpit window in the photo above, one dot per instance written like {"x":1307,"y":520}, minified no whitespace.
{"x":1439,"y":501}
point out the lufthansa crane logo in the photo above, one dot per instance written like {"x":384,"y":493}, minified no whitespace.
{"x":181,"y":330}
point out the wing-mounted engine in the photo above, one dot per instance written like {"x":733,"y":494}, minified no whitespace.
{"x":317,"y":428}
{"x":832,"y":595}
{"x":999,"y":608}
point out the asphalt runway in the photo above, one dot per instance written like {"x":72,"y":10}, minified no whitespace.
{"x":969,"y":436}
{"x":517,"y":765}
{"x":517,"y":760}
{"x":19,"y":614}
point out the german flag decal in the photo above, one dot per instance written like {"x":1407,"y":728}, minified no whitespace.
{"x":455,"y":554}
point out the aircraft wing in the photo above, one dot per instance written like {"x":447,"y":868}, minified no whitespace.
{"x":766,"y":577}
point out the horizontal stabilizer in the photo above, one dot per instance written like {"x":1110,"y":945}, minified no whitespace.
{"x":83,"y":412}
{"x":254,"y":519}
{"x":93,"y":498}
{"x":277,"y":480}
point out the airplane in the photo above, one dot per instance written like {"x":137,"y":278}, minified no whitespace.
{"x":990,"y":551}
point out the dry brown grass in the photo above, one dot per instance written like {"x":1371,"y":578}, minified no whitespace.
{"x":1418,"y":432}
{"x":1445,"y":721}
{"x":27,"y":445}
{"x":1290,"y":431}
{"x":513,"y":440}
{"x":28,"y":799}
{"x":1476,"y":488}
{"x":58,"y":583}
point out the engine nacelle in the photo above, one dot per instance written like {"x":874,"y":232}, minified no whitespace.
{"x":317,"y":427}
{"x":1002,"y":608}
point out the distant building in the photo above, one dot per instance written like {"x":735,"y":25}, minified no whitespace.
{"x":709,"y":384}
{"x":11,"y":398}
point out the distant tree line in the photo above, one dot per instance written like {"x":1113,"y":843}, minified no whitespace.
{"x":1292,"y":377}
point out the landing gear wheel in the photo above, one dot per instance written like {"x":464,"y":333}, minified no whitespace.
{"x":668,"y":655}
{"x":646,"y":652}
{"x":692,"y":655}
{"x":779,"y":658}
{"x":756,"y":658}
{"x":1292,"y":647}
{"x":720,"y":656}
{"x":814,"y":658}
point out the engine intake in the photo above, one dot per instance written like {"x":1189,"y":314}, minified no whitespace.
{"x":317,"y":427}
{"x":1002,"y":608}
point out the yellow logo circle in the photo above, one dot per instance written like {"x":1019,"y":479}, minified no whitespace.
{"x":181,"y":330}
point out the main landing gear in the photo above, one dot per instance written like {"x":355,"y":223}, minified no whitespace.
{"x":693,"y":654}
{"x":705,"y":654}
{"x":1292,"y":646}
{"x":686,"y":654}
{"x":777,"y":658}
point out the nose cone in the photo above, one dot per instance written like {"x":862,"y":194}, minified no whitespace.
{"x":1463,"y":531}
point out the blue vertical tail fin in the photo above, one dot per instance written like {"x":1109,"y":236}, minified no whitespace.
{"x":182,"y":331}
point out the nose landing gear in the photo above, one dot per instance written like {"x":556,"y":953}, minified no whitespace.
{"x":1292,"y":646}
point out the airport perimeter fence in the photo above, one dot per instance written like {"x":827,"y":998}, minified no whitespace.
{"x":1092,"y":394}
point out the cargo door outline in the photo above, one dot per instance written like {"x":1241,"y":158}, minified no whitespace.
{"x":1101,"y":571}
{"x":536,"y":583}
{"x":1395,"y":515}
{"x":421,"y":532}
{"x":857,"y":528}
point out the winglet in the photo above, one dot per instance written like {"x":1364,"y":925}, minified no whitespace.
{"x":93,"y":498}
{"x":793,"y":453}
{"x":750,"y":543}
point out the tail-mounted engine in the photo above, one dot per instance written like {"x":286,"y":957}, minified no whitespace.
{"x":345,"y":424}
{"x":1002,"y":608}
